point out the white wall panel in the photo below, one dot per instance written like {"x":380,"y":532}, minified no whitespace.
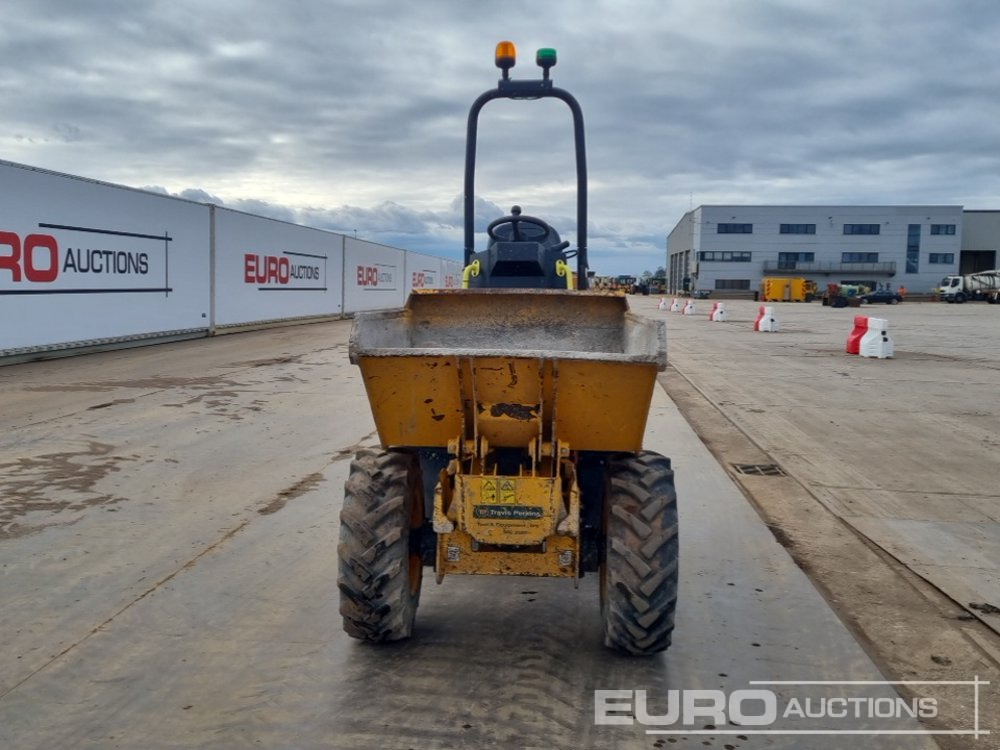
{"x":83,"y":260}
{"x":423,"y":272}
{"x":268,"y":270}
{"x":451,"y":274}
{"x":374,"y":276}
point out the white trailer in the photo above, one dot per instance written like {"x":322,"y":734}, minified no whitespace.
{"x":973,"y":286}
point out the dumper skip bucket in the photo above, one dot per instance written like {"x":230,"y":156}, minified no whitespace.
{"x":509,"y":365}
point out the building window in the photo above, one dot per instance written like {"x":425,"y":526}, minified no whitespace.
{"x":859,"y":257}
{"x":942,"y":229}
{"x":725,"y":256}
{"x":862,"y":228}
{"x":948,"y":258}
{"x":913,"y":248}
{"x":735,"y":229}
{"x":732,"y":283}
{"x":788,"y":261}
{"x":798,"y":229}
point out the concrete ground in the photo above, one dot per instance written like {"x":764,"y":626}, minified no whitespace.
{"x":902,"y":451}
{"x":168,"y":525}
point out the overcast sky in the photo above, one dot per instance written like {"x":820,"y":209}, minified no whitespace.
{"x":351,"y":115}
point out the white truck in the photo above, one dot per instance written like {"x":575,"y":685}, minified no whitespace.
{"x":982,"y":285}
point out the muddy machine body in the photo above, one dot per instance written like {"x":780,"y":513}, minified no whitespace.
{"x":511,"y":414}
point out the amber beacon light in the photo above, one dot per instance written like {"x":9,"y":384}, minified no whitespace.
{"x":506,"y":56}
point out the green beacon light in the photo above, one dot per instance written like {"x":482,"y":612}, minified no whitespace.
{"x":545,"y":58}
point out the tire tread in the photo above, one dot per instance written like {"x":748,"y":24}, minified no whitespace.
{"x":373,"y":554}
{"x":641,"y":554}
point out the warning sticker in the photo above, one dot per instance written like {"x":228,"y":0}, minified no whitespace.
{"x":488,"y":491}
{"x":508,"y":491}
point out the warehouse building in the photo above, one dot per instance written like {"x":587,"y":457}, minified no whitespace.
{"x":732,"y":248}
{"x":980,"y":241}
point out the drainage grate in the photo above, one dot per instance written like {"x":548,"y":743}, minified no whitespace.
{"x":759,"y":470}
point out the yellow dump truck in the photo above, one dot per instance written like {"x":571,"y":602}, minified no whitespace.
{"x":511,"y":415}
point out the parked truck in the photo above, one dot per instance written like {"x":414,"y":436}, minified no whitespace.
{"x":973,"y":286}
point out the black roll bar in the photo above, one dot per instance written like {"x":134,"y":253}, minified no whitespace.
{"x":538,"y":89}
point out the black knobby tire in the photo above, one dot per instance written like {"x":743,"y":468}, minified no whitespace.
{"x":639,"y":574}
{"x":380,"y":566}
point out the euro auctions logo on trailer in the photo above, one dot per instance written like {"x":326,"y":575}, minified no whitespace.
{"x":377,"y":277}
{"x":67,"y":259}
{"x":426,"y":279}
{"x":291,"y":271}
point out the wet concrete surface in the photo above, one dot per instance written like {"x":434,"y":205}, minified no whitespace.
{"x":168,"y":526}
{"x":906,"y":450}
{"x":890,"y":500}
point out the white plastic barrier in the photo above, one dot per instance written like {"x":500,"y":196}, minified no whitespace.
{"x":689,"y":307}
{"x":269,"y":270}
{"x":373,"y":276}
{"x":718,"y":314}
{"x":662,"y":304}
{"x":876,"y":343}
{"x":675,"y":305}
{"x":766,"y":320}
{"x":85,"y":262}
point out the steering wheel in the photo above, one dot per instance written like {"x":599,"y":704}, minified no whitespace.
{"x":514,"y":219}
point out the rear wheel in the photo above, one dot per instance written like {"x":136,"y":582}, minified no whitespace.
{"x":639,"y":572}
{"x":379,"y":552}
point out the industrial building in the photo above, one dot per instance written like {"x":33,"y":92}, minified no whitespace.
{"x":732,"y":248}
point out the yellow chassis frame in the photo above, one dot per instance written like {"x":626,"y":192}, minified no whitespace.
{"x":492,"y":524}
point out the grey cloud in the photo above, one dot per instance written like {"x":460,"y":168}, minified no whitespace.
{"x":352,"y":115}
{"x":196,"y":194}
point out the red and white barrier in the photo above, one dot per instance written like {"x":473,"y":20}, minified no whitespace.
{"x":662,"y":304}
{"x":876,"y":342}
{"x":860,"y":329}
{"x":675,"y":305}
{"x":765,"y":320}
{"x":718,"y":314}
{"x":689,"y":307}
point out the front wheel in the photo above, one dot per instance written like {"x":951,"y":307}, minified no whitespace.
{"x":380,"y":564}
{"x":639,"y":571}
